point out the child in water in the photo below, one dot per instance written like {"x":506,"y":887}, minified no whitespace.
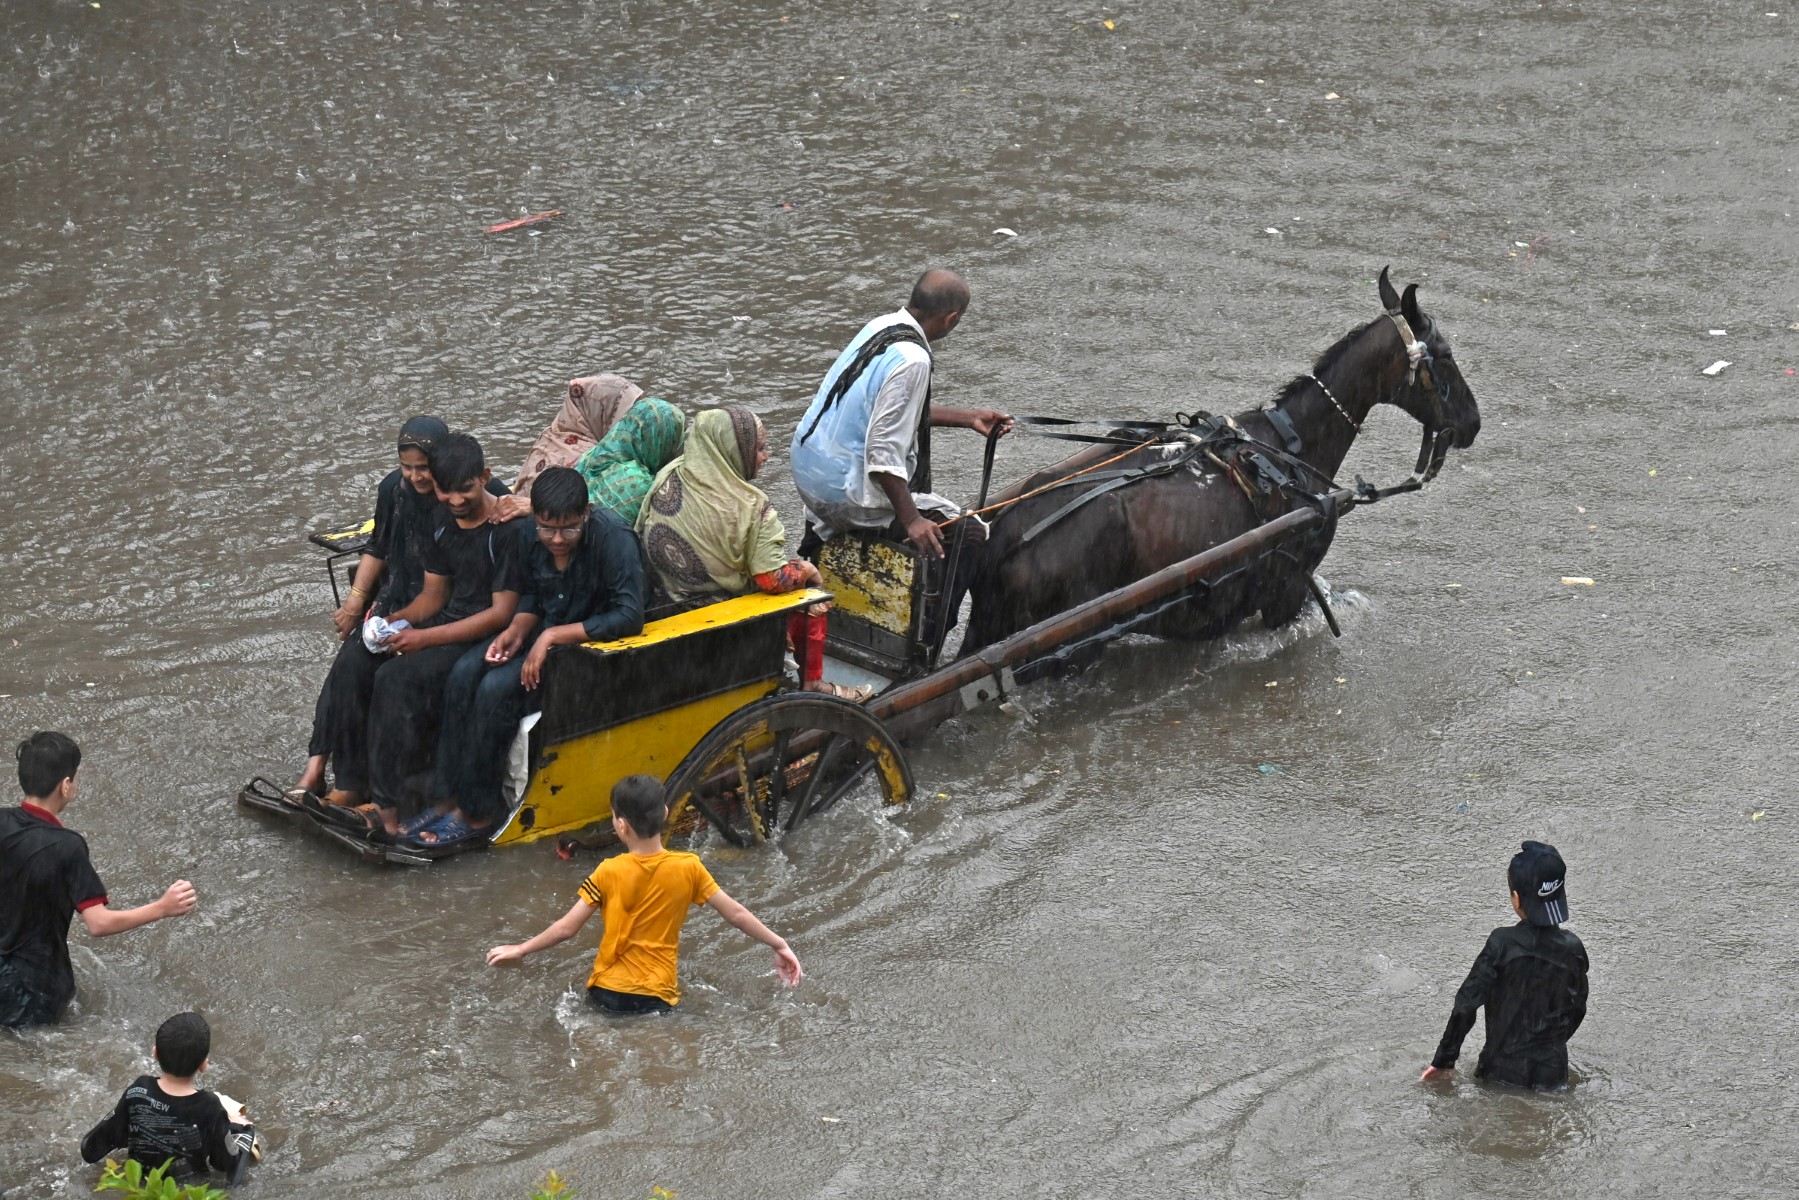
{"x":159,"y":1119}
{"x":1531,"y":978}
{"x":645,"y":894}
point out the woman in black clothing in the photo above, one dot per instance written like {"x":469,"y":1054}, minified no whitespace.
{"x":406,"y":508}
{"x":470,"y":591}
{"x":403,"y":505}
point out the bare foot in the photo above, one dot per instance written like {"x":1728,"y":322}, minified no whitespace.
{"x":313,"y":777}
{"x":347,"y":799}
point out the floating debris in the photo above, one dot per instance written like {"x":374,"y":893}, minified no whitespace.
{"x":1717,"y":367}
{"x":1577,"y":581}
{"x":533,"y":219}
{"x":1002,"y":231}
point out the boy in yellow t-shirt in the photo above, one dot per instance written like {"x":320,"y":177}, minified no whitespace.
{"x":645,"y":894}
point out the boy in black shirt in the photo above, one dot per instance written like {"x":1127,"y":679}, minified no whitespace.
{"x":1531,"y":978}
{"x":159,"y":1119}
{"x":46,"y":878}
{"x":471,"y":589}
{"x":583,"y":581}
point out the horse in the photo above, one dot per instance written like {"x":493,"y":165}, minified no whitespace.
{"x":1057,"y":544}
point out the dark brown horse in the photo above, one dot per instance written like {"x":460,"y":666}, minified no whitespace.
{"x":1037,"y":564}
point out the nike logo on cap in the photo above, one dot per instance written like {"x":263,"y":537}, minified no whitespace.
{"x":1549,"y":888}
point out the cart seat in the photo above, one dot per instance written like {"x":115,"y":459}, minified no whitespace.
{"x":637,"y":705}
{"x":882,"y":590}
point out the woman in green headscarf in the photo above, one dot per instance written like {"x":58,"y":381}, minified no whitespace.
{"x":709,"y":533}
{"x":621,"y":468}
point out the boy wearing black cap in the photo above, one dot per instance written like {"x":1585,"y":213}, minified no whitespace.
{"x":1531,"y":978}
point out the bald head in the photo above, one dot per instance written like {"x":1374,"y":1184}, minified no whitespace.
{"x":939,"y":299}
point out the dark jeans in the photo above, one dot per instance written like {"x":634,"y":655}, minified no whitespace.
{"x":340,"y":720}
{"x":483,"y":705}
{"x":626,"y":1002}
{"x":20,"y":1003}
{"x":404,"y":715}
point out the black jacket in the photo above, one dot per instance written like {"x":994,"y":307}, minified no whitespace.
{"x":1533,"y":983}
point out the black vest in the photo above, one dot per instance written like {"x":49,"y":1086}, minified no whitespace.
{"x":883,"y":341}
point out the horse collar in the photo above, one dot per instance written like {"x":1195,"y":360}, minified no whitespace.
{"x":1353,"y":423}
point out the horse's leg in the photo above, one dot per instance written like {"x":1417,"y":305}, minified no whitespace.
{"x":1286,"y":594}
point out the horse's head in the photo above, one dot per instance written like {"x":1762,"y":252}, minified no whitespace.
{"x":1432,"y":389}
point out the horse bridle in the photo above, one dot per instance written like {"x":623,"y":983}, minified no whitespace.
{"x":1421,"y":375}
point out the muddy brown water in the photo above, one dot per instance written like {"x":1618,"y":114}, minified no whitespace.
{"x":1103,"y":954}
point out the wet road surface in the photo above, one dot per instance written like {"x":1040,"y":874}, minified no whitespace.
{"x":1105,"y":952}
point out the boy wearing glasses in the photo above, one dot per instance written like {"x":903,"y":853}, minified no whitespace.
{"x":582,"y":581}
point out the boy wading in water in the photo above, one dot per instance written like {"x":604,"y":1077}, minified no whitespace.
{"x":45,"y":879}
{"x":1531,"y":978}
{"x":159,"y":1119}
{"x":645,"y":894}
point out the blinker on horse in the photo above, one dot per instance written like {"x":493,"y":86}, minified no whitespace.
{"x":1051,"y":551}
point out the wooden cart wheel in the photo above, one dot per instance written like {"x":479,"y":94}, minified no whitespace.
{"x":775,"y":763}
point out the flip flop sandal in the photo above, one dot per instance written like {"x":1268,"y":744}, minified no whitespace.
{"x":295,"y":797}
{"x":855,"y":695}
{"x":424,"y":819}
{"x":449,"y":830}
{"x":363,"y":820}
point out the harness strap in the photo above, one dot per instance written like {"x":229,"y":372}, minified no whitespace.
{"x":1283,"y":426}
{"x":1114,"y":480}
{"x":1415,"y":350}
{"x":1068,"y":509}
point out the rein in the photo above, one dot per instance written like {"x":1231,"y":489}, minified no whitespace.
{"x":1004,"y":504}
{"x":1433,"y":448}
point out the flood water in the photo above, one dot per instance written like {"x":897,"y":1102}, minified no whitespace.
{"x":1193,"y":932}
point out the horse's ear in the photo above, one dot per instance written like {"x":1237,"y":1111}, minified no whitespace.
{"x":1408,"y":307}
{"x":1388,"y":297}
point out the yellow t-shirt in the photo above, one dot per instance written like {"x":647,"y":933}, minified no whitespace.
{"x":643,"y":899}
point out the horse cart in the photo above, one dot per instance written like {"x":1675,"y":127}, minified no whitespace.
{"x":702,"y":698}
